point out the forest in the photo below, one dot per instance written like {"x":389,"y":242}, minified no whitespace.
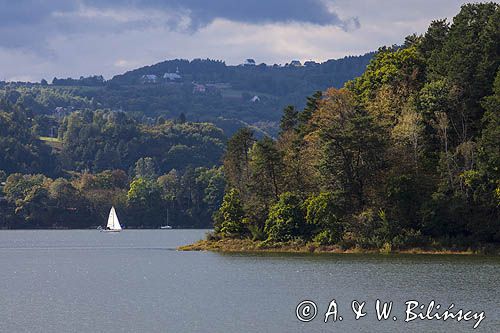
{"x":165,"y":173}
{"x":205,"y":90}
{"x":405,"y":155}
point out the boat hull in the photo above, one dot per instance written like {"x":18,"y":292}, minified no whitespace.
{"x":110,"y":230}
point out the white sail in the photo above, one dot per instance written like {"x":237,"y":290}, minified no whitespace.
{"x":113,"y":223}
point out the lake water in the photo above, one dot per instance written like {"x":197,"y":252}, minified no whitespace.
{"x":135,"y":281}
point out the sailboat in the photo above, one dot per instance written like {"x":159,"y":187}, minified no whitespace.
{"x":166,"y":226}
{"x":113,"y":223}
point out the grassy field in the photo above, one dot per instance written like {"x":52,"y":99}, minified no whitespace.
{"x":55,"y":143}
{"x":49,"y":139}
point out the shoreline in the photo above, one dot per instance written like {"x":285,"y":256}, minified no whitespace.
{"x":252,"y":247}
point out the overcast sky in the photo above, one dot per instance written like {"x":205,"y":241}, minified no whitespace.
{"x":47,"y":38}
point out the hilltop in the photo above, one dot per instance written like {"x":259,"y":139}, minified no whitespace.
{"x":206,"y":90}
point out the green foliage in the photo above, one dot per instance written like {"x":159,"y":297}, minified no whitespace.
{"x":145,"y":168}
{"x":289,"y":119}
{"x":401,"y":68}
{"x":286,"y":219}
{"x":105,"y":140}
{"x":20,"y":151}
{"x":226,"y":100}
{"x":266,"y":166}
{"x":237,"y":159}
{"x":347,"y":161}
{"x":144,"y":201}
{"x":229,"y":219}
{"x":323,"y":213}
{"x":417,"y":134}
{"x":404,"y":155}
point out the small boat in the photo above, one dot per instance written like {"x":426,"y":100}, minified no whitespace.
{"x":166,"y":227}
{"x":113,"y":222}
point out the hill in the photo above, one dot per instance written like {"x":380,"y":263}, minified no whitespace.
{"x":201,"y":90}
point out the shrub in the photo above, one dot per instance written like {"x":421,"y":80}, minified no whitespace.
{"x":229,"y":219}
{"x":286,"y":218}
{"x":322,"y":214}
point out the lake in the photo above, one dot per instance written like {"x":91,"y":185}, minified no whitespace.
{"x":135,"y":281}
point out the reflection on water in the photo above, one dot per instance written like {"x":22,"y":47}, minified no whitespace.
{"x":86,"y":281}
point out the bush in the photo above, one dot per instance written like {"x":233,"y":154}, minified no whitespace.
{"x":326,"y":237}
{"x":286,"y":218}
{"x":229,"y":219}
{"x":322,"y":214}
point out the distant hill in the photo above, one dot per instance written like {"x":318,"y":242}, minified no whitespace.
{"x":201,"y":90}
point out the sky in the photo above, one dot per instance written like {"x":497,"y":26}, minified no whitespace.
{"x":69,"y":38}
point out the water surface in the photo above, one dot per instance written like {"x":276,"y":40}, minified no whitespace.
{"x":135,"y":281}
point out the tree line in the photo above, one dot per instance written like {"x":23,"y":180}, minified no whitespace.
{"x":407,"y":154}
{"x":181,"y":199}
{"x":228,"y":107}
{"x":168,"y":172}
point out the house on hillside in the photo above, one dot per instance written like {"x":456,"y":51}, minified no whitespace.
{"x":149,"y":78}
{"x":255,"y":99}
{"x":172,"y":76}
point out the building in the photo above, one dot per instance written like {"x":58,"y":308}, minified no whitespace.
{"x":255,"y":99}
{"x":172,"y":76}
{"x":149,"y":78}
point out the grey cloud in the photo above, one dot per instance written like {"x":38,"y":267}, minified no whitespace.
{"x":30,"y":24}
{"x":203,"y":12}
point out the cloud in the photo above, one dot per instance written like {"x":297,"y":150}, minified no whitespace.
{"x":47,"y":38}
{"x":202,"y":12}
{"x":32,"y":24}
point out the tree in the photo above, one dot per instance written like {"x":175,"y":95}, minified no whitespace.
{"x":145,"y":167}
{"x":348,"y":161}
{"x":311,"y":107}
{"x":289,"y":119}
{"x":286,"y":218}
{"x":469,"y":58}
{"x":324,"y":214}
{"x":31,"y":199}
{"x":229,"y":219}
{"x":266,"y":166}
{"x":408,"y":133}
{"x":236,"y":159}
{"x":145,"y":204}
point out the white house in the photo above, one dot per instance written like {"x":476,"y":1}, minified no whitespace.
{"x":172,"y":76}
{"x":149,"y":78}
{"x":255,"y":99}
